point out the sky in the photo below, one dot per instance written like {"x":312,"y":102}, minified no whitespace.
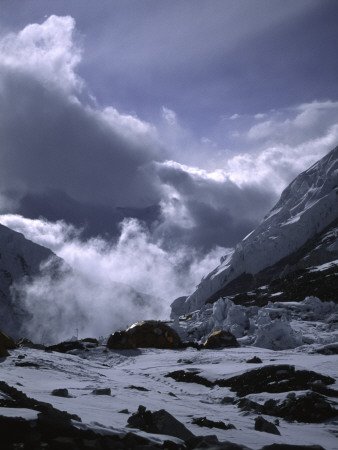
{"x":175,"y":123}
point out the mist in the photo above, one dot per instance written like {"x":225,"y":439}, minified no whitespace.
{"x":103,"y":285}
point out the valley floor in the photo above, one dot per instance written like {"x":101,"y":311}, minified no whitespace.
{"x":137,"y":377}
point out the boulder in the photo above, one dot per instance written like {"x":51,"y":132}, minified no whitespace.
{"x":62,"y":392}
{"x":221,"y":339}
{"x":6,"y":343}
{"x":27,"y":343}
{"x":158,"y":422}
{"x":102,"y":391}
{"x":204,"y":422}
{"x":90,"y":340}
{"x":66,"y":346}
{"x":264,"y":425}
{"x":146,"y":334}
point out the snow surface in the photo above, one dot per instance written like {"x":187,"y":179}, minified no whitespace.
{"x":306,"y":207}
{"x":84,"y":371}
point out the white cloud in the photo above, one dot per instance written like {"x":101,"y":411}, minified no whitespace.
{"x":276,"y":165}
{"x":169,"y":116}
{"x":98,"y":296}
{"x":215,"y":175}
{"x":259,"y":116}
{"x":46,"y":51}
{"x":297,"y":124}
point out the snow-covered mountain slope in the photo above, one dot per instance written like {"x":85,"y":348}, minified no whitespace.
{"x":307,"y":208}
{"x":19,"y":258}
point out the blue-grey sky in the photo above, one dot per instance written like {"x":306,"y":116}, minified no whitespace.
{"x":190,"y":115}
{"x":204,"y":60}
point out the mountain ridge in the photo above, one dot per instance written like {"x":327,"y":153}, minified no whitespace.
{"x":306,"y":207}
{"x":20,"y":259}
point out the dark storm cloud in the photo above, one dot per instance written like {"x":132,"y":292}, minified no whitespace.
{"x":205,"y":211}
{"x":49,"y":141}
{"x":202,"y":59}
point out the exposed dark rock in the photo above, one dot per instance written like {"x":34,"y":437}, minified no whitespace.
{"x":319,"y":387}
{"x":248,"y":405}
{"x":53,"y":429}
{"x":158,"y":422}
{"x":27,"y":343}
{"x":262,"y":424}
{"x":204,"y":422}
{"x":102,"y":391}
{"x":189,"y":377}
{"x":309,"y":407}
{"x":20,"y":400}
{"x":27,"y":364}
{"x":228,"y":400}
{"x":221,"y":339}
{"x":90,"y":340}
{"x":151,"y":333}
{"x":329,"y":349}
{"x":60,"y":392}
{"x":66,"y":346}
{"x":195,"y":442}
{"x":137,"y":388}
{"x":6,"y":343}
{"x":211,"y":442}
{"x":254,"y":360}
{"x":298,"y":282}
{"x":274,"y":378}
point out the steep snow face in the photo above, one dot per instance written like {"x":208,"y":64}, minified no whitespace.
{"x":306,"y":207}
{"x":19,"y":258}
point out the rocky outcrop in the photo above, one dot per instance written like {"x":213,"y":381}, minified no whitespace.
{"x":204,"y":422}
{"x":146,"y":334}
{"x":158,"y":422}
{"x":221,"y":339}
{"x":6,"y":343}
{"x":308,"y":407}
{"x":262,"y":424}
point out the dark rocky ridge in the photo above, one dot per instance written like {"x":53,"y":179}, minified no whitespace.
{"x":293,"y":276}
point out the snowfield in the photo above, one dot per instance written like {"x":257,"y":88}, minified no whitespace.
{"x":137,"y":377}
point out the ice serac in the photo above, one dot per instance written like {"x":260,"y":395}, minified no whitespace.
{"x":19,"y":258}
{"x":306,"y":207}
